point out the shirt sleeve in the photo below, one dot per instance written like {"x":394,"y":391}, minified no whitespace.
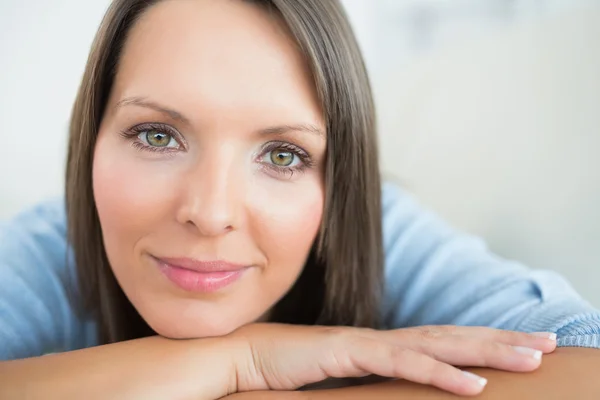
{"x":37,"y":290}
{"x":436,"y":275}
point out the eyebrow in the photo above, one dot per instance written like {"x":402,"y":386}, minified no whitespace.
{"x":142,"y":102}
{"x":175,"y":115}
{"x":282,"y":129}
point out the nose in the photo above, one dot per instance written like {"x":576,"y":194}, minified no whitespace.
{"x":210,"y":202}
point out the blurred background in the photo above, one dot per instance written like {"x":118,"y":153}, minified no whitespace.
{"x":489,"y":111}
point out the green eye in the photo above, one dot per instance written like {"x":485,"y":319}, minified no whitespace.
{"x":157,"y":138}
{"x":282,"y":158}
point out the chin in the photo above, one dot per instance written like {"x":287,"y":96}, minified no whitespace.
{"x":192,"y":328}
{"x":190,"y":333}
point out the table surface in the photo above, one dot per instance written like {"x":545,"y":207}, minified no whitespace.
{"x":568,"y":373}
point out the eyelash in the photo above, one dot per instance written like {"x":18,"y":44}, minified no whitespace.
{"x":305,"y":158}
{"x":134,"y":132}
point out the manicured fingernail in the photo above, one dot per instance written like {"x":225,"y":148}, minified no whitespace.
{"x":481,"y":381}
{"x":536,"y":354}
{"x":546,"y":335}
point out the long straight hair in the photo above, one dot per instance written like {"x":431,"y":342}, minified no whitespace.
{"x":341,"y":280}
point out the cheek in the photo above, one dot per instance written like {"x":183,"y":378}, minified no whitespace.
{"x":129,"y":196}
{"x":287,"y":219}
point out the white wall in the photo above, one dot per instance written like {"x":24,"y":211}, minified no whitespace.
{"x":43,"y":50}
{"x":489,"y":114}
{"x":500,"y":134}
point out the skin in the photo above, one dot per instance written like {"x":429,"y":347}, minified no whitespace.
{"x":234,"y":81}
{"x":231,"y":77}
{"x":569,"y":373}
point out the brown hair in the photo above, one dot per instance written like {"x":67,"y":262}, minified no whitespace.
{"x":341,"y":281}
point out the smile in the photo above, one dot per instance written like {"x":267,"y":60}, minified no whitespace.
{"x":200,"y":276}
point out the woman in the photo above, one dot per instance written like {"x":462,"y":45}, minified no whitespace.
{"x":222,"y":174}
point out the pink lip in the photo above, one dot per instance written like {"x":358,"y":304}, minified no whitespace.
{"x":200,"y":276}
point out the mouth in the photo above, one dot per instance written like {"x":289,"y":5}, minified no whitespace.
{"x":200,"y":276}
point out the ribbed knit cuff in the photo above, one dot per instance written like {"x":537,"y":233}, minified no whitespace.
{"x":576,"y":323}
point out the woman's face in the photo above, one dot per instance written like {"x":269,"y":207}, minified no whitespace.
{"x":208,"y":169}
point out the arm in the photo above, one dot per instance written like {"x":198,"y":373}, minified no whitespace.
{"x":39,"y":298}
{"x":150,"y":368}
{"x":568,"y":373}
{"x":436,"y":275}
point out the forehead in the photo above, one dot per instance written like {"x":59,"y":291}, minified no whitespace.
{"x":220,"y":54}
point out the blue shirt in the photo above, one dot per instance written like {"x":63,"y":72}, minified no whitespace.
{"x":434,"y":275}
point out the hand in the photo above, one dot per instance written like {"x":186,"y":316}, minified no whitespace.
{"x":286,"y":357}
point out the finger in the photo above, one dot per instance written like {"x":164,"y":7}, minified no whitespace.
{"x":366,"y":355}
{"x":451,"y":345}
{"x":544,"y":341}
{"x":476,"y":352}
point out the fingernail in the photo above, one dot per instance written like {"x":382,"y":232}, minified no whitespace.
{"x":481,"y":381}
{"x":546,"y":335}
{"x":536,"y":354}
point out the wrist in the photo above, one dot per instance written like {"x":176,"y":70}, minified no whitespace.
{"x":244,"y":359}
{"x":207,"y":367}
{"x":199,"y":369}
